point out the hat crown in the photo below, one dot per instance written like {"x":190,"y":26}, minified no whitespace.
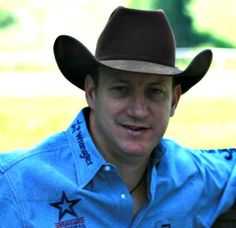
{"x":137,"y":35}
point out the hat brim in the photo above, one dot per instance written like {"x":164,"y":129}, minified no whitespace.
{"x":75,"y":61}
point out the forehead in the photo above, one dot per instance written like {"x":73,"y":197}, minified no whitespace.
{"x":112,"y":76}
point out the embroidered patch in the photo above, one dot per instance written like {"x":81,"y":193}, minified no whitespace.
{"x":165,"y":226}
{"x":84,"y":154}
{"x":73,"y":223}
{"x":228,"y":152}
{"x":65,"y":206}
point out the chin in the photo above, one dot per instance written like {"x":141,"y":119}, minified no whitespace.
{"x":137,"y":150}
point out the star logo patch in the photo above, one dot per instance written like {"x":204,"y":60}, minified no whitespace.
{"x":65,"y":206}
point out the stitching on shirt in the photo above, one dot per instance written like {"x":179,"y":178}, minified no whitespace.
{"x":13,"y":192}
{"x":227,"y":152}
{"x":37,"y":151}
{"x":77,"y":133}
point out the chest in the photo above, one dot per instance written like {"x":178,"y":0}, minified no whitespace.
{"x":108,"y":206}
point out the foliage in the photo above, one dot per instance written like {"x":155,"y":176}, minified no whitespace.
{"x":6,"y":19}
{"x":181,"y":21}
{"x":26,"y":121}
{"x":141,"y":4}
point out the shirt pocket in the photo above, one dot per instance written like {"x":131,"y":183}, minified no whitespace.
{"x":177,"y":223}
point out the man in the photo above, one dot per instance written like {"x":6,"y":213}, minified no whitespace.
{"x":112,"y":167}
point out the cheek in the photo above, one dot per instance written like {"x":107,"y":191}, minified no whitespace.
{"x":161,"y":110}
{"x":160,"y":117}
{"x":113,"y":107}
{"x":107,"y":113}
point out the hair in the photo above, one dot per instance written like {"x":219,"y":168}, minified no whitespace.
{"x":95,"y":75}
{"x":174,"y":82}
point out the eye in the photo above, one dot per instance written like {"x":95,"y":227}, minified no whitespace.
{"x":155,"y":91}
{"x":119,"y":91}
{"x":119,"y":88}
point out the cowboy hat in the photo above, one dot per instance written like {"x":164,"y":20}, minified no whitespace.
{"x":133,"y":40}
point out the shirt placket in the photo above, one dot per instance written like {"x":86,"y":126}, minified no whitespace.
{"x":123,"y":210}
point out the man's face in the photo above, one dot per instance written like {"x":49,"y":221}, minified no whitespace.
{"x":129,"y":112}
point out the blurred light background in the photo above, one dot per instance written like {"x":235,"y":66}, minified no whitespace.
{"x":36,"y":100}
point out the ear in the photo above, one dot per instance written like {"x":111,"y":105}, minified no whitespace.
{"x":90,"y":91}
{"x":175,"y":98}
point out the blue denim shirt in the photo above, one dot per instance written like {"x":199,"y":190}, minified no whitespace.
{"x":65,"y":182}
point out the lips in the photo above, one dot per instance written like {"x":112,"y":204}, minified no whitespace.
{"x":135,"y":130}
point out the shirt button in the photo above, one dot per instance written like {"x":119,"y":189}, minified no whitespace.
{"x":107,"y":168}
{"x":123,"y":196}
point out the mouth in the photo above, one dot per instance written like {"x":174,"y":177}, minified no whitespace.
{"x":135,"y":128}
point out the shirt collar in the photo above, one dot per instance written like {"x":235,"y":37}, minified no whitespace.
{"x":158,"y":153}
{"x":88,"y":159}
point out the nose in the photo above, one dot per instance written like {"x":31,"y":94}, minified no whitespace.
{"x":137,"y":106}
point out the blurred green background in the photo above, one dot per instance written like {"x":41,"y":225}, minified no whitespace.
{"x":36,"y":100}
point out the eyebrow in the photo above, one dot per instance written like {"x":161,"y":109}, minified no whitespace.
{"x":119,"y":80}
{"x":161,"y":82}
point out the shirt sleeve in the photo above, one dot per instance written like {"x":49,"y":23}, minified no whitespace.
{"x":10,"y":210}
{"x":229,"y":194}
{"x":218,"y":172}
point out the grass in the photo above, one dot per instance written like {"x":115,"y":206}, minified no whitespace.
{"x":25,"y":121}
{"x":204,"y":123}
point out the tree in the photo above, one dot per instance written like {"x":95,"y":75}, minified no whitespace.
{"x":6,"y":19}
{"x":182,"y":23}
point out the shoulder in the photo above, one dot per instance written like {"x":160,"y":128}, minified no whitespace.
{"x":177,"y":158}
{"x":220,"y":154}
{"x":173,"y":150}
{"x":44,"y":151}
{"x":208,"y":162}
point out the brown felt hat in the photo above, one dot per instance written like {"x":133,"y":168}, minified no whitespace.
{"x":133,"y":40}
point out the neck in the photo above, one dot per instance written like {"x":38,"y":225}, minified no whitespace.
{"x":132,"y":169}
{"x":133,"y":174}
